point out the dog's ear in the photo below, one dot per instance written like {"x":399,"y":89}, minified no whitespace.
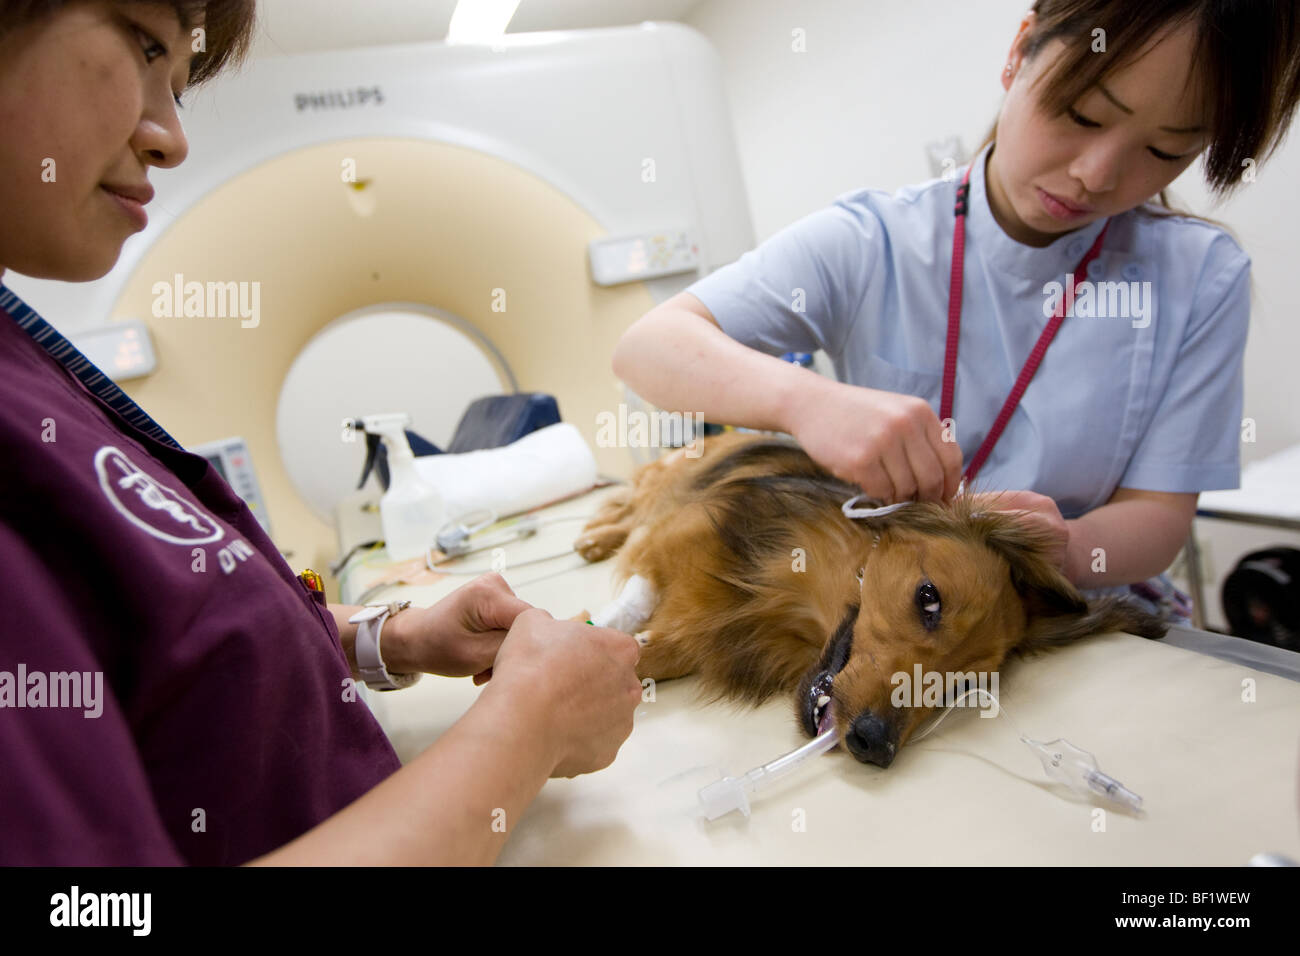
{"x":1048,"y":626}
{"x":1056,"y":611}
{"x":1045,"y":591}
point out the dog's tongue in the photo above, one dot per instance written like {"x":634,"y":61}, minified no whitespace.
{"x":828,"y":719}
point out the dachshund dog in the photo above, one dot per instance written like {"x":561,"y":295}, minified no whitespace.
{"x":761,"y":585}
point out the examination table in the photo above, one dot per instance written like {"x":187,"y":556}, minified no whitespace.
{"x":1203,"y":726}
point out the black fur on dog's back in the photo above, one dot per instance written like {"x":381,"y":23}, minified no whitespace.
{"x":760,"y":492}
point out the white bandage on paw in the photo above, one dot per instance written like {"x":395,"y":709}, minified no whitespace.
{"x":631,"y":609}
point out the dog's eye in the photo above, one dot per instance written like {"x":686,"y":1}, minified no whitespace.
{"x":928,"y":604}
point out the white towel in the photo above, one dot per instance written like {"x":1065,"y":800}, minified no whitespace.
{"x":543,"y":466}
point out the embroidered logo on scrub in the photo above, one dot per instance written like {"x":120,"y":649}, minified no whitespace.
{"x":150,"y":505}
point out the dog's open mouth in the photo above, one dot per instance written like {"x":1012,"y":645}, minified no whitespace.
{"x":823,"y":706}
{"x":818,"y":703}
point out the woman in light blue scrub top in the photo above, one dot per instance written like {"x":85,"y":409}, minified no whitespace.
{"x":1137,"y":403}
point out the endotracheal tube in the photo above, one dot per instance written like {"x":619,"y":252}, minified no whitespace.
{"x":731,"y":793}
{"x":1062,"y":761}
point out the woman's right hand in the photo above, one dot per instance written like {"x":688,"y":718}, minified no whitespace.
{"x":572,"y":685}
{"x":892,"y":446}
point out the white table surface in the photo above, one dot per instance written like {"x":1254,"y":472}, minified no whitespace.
{"x":1270,"y":487}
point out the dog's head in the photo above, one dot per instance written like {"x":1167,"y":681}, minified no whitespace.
{"x":946,"y":593}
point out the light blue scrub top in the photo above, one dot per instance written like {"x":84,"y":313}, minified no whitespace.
{"x":1112,"y":405}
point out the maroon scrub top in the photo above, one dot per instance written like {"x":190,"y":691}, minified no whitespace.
{"x":226,"y":724}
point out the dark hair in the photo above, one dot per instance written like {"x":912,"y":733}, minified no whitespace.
{"x":1247,"y":59}
{"x":227,"y":25}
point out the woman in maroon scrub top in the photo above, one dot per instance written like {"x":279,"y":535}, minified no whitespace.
{"x":155,"y":709}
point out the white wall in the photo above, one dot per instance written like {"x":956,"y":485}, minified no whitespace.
{"x":878,"y":80}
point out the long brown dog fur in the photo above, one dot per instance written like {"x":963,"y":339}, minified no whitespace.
{"x":757,"y":572}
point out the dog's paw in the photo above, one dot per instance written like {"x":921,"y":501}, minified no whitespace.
{"x":616,"y":509}
{"x":597,"y":544}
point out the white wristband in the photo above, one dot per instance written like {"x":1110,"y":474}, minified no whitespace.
{"x":370,"y":622}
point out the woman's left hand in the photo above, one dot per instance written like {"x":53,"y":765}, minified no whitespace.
{"x":458,"y":636}
{"x":1039,"y":511}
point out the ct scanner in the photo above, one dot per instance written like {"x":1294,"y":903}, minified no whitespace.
{"x":416,"y":222}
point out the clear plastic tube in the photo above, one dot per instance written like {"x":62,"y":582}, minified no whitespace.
{"x":731,"y":793}
{"x":1062,"y":761}
{"x":1078,"y":770}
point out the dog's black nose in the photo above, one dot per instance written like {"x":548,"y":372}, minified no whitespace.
{"x":871,"y":740}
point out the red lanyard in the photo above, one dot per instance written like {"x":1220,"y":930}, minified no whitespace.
{"x":954,"y":330}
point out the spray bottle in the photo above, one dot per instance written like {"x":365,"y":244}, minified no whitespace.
{"x":411,"y":509}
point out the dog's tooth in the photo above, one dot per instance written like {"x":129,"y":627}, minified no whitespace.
{"x":822,"y":701}
{"x":931,"y":608}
